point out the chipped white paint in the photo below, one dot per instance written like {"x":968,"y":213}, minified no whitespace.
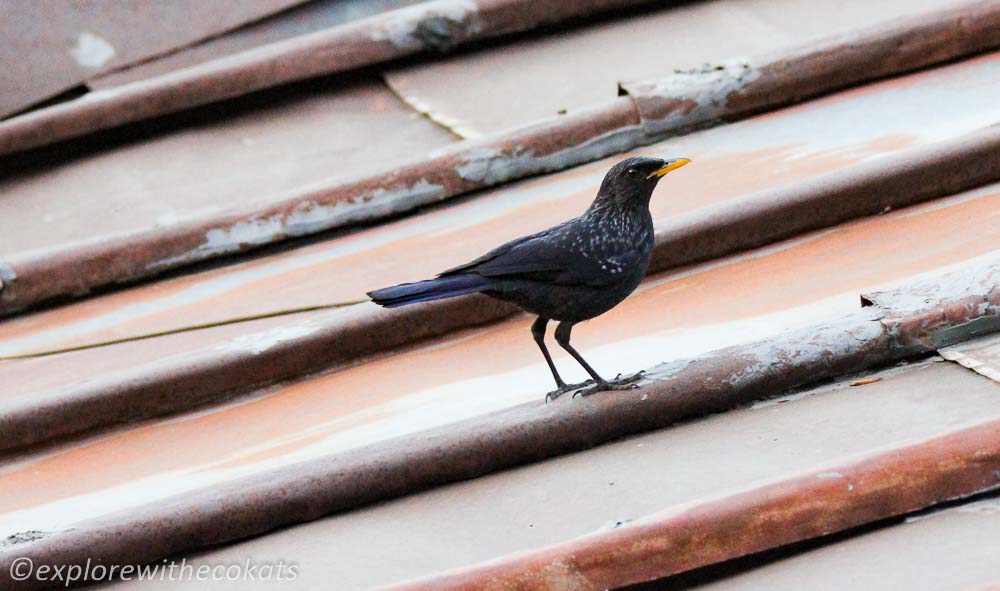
{"x":971,"y":277}
{"x":400,"y":27}
{"x":259,"y":342}
{"x":307,"y":218}
{"x":706,"y":89}
{"x":829,"y":475}
{"x":7,"y":276}
{"x":91,"y":51}
{"x":837,"y":339}
{"x":173,"y":217}
{"x":444,"y":222}
{"x":490,"y":166}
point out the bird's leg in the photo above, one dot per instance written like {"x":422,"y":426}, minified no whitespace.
{"x":538,"y":332}
{"x":600,"y":384}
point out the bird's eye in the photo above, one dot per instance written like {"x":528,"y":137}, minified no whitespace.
{"x":631,"y":171}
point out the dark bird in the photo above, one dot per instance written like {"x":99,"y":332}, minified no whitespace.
{"x":571,"y":272}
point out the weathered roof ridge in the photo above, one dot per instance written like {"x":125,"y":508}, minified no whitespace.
{"x":828,"y":499}
{"x":434,"y":26}
{"x":343,"y":335}
{"x":910,"y":321}
{"x":650,"y":113}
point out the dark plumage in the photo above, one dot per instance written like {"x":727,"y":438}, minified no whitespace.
{"x":571,"y":272}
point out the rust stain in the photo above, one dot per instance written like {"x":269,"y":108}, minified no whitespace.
{"x":946,"y":34}
{"x":830,"y":266}
{"x":368,"y":41}
{"x":883,"y":484}
{"x":714,"y":180}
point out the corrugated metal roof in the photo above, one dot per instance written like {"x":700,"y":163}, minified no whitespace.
{"x":615,"y":486}
{"x":651,"y":112}
{"x":486,"y":92}
{"x":223,"y":401}
{"x":934,"y":550}
{"x":50,"y":47}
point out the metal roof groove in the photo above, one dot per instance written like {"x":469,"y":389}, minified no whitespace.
{"x":935,"y":311}
{"x":345,"y":335}
{"x":885,"y":483}
{"x":646,"y":116}
{"x":434,"y":26}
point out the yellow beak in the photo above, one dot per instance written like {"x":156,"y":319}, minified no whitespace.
{"x":671,"y":165}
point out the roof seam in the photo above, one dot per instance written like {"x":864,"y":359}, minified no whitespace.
{"x":424,"y":113}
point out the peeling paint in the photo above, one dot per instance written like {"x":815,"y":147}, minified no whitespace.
{"x":490,"y":165}
{"x":690,"y":97}
{"x":933,"y":312}
{"x":438,"y":26}
{"x":834,"y":340}
{"x":24,"y":537}
{"x":91,"y":51}
{"x":7,"y":277}
{"x":306,"y":218}
{"x":257,"y":343}
{"x":973,"y":277}
{"x":174,"y":217}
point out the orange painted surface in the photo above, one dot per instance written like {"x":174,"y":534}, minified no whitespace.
{"x":416,"y":254}
{"x":432,"y":384}
{"x":730,"y":162}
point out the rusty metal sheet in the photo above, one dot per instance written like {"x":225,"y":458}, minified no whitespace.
{"x":981,"y":356}
{"x":474,"y":92}
{"x":272,"y":146}
{"x":786,"y":153}
{"x":949,"y":548}
{"x":436,"y":26}
{"x":618,"y":483}
{"x":837,"y":497}
{"x":696,"y":309}
{"x":256,"y":489}
{"x":114,"y":258}
{"x":51,"y":46}
{"x":312,"y":16}
{"x":130,"y":381}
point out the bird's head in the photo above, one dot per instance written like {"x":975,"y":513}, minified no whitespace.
{"x":631,"y":181}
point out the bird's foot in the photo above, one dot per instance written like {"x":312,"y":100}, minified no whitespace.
{"x":630,"y":379}
{"x":566,"y":388}
{"x":619,"y":383}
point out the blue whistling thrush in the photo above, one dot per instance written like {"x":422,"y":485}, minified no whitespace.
{"x":571,"y":272}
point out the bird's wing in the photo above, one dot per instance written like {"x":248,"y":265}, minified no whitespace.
{"x":540,"y":258}
{"x":496,"y":252}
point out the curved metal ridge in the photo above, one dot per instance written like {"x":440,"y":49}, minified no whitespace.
{"x":643,"y":117}
{"x":869,"y":188}
{"x":952,"y":305}
{"x":181,"y":382}
{"x":883,"y":484}
{"x":436,"y":26}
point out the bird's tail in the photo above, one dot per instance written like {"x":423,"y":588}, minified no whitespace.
{"x":429,"y":290}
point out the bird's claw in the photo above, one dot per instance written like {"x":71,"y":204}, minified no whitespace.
{"x":618,"y":383}
{"x":634,"y":377}
{"x":566,"y":388}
